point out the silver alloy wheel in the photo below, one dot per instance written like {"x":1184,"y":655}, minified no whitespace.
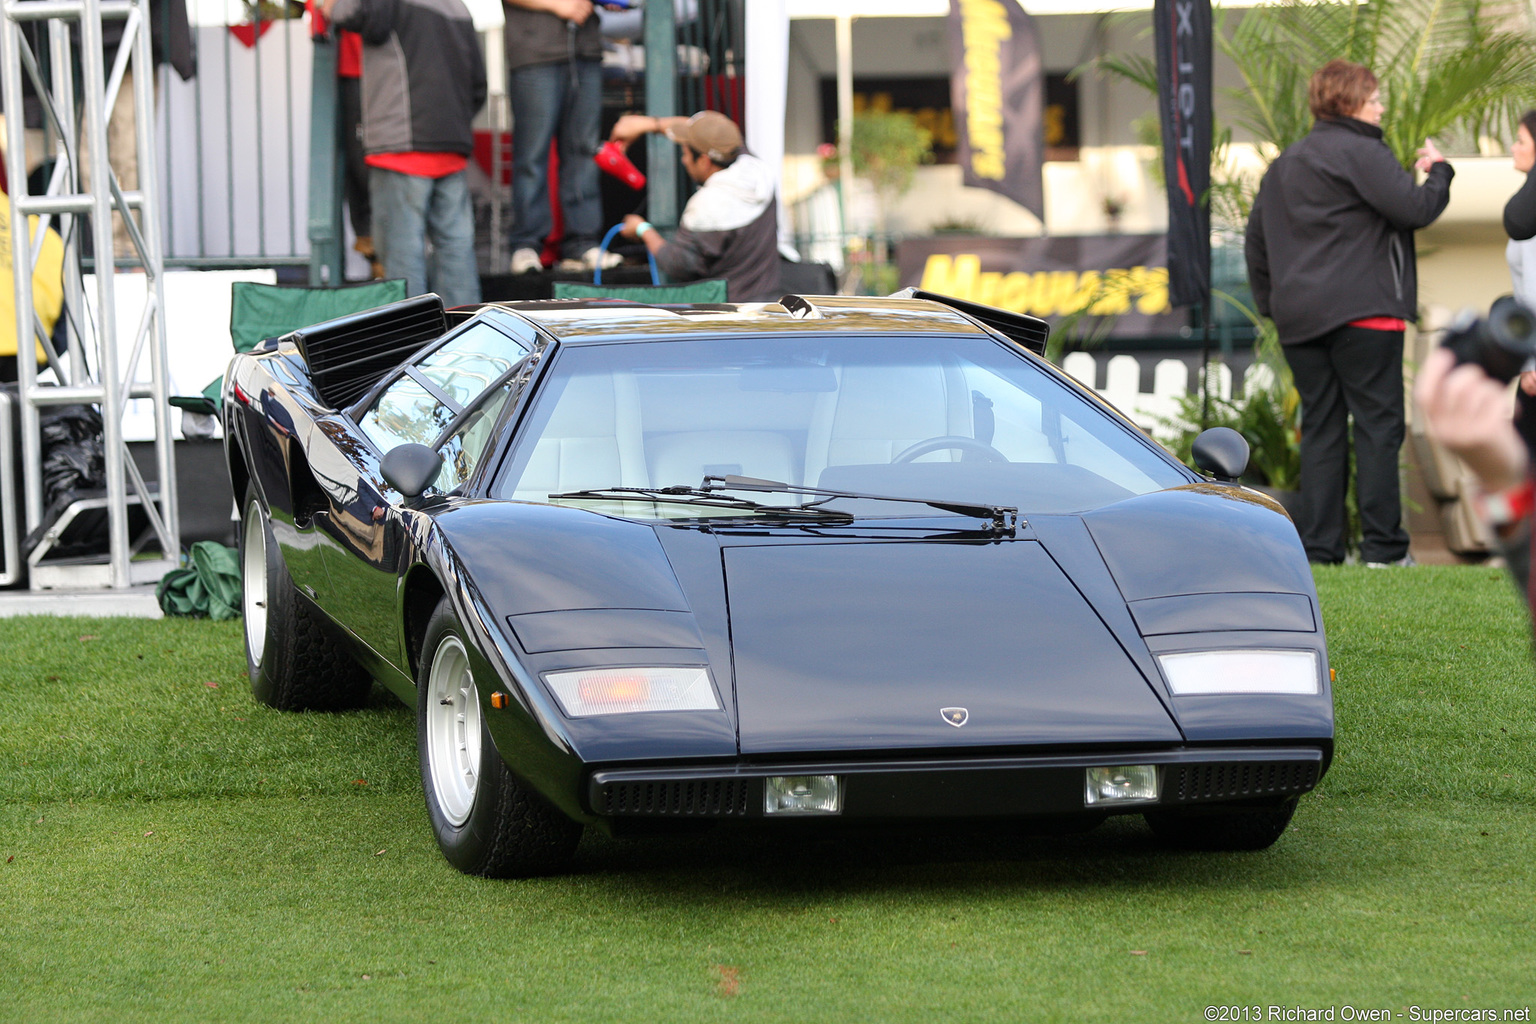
{"x":453,"y":730}
{"x":253,"y":583}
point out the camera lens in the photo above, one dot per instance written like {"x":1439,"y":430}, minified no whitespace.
{"x":1518,"y":325}
{"x":1502,"y":344}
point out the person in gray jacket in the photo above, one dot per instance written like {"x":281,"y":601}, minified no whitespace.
{"x":423,"y":82}
{"x":730,"y":226}
{"x":1331,"y":261}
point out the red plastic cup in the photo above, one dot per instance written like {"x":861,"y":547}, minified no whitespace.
{"x":611,"y":159}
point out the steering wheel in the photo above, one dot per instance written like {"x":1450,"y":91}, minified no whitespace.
{"x":950,"y":441}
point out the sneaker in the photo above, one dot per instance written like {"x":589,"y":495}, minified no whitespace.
{"x":589,"y":261}
{"x":1404,"y":562}
{"x":526,"y":261}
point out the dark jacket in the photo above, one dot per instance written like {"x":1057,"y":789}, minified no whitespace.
{"x":1520,"y":211}
{"x":170,"y":37}
{"x":538,"y":37}
{"x":423,"y":75}
{"x":1330,"y":238}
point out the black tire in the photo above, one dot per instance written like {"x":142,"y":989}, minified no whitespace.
{"x":487,"y":822}
{"x":292,"y":658}
{"x":1249,"y":827}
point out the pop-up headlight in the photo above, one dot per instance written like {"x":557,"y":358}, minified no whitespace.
{"x":1240,"y":671}
{"x":618,"y":691}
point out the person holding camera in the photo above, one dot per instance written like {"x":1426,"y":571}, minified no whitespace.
{"x":1331,"y":261}
{"x":1467,"y":411}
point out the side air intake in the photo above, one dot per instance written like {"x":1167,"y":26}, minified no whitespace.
{"x":349,"y":355}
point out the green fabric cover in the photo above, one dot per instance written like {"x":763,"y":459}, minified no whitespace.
{"x":208,"y":586}
{"x":206,"y":403}
{"x":691,"y":291}
{"x":259,"y":311}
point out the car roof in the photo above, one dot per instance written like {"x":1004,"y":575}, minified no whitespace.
{"x":607,"y":321}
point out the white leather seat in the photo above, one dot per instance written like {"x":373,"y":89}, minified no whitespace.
{"x":879,"y":411}
{"x":594,"y":438}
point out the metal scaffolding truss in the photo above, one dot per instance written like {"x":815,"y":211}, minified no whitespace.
{"x":102,"y":361}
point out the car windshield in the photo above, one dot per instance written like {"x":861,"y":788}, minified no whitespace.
{"x":954,"y":418}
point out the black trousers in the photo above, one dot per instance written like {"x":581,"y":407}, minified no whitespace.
{"x":1525,"y":419}
{"x":349,"y":113}
{"x":1350,"y":372}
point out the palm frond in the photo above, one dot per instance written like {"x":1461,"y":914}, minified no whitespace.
{"x":1136,"y":68}
{"x":1466,"y":67}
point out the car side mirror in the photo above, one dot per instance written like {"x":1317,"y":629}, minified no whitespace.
{"x":411,"y":468}
{"x":1221,"y":452}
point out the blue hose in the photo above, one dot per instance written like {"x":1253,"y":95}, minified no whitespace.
{"x":597,"y":271}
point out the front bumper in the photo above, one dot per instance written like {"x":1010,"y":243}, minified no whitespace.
{"x":954,"y":788}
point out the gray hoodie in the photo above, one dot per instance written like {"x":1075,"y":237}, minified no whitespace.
{"x":730,"y":229}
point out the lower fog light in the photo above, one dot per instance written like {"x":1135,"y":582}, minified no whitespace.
{"x":803,"y":794}
{"x":1121,"y":784}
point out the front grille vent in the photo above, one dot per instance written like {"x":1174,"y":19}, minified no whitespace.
{"x":714,"y":798}
{"x":1191,"y":783}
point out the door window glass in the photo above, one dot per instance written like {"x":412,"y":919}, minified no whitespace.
{"x":425,"y":399}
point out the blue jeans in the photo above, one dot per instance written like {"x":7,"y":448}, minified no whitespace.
{"x":424,"y":231}
{"x":548,"y":99}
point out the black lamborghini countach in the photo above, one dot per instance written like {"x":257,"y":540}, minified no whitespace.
{"x":793,"y":565}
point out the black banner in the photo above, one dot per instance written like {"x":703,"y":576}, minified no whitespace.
{"x":1119,"y":282}
{"x":1183,"y":30}
{"x":997,"y":90}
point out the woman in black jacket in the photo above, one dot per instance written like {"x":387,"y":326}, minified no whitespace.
{"x":1331,"y":261}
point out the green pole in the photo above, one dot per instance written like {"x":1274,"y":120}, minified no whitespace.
{"x":324,"y":171}
{"x":661,"y":101}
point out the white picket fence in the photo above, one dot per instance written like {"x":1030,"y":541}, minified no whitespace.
{"x":1171,"y":380}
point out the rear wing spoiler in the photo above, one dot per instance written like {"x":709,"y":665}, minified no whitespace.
{"x":1030,"y":332}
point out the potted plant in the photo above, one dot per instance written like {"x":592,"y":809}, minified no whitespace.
{"x":887,"y":147}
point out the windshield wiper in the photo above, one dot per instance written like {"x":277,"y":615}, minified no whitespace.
{"x":679,"y":494}
{"x":1002,"y":518}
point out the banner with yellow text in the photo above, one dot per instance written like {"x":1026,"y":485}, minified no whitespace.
{"x":997,"y":90}
{"x":1113,"y":285}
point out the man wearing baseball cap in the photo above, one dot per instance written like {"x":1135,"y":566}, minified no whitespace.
{"x":730,"y":226}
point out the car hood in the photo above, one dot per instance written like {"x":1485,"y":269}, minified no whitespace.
{"x":887,"y":645}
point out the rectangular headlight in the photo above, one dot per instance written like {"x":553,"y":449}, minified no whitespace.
{"x":619,"y":691}
{"x":802,"y":794}
{"x":1121,"y":784}
{"x":1240,"y":671}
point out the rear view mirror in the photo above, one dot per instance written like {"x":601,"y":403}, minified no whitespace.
{"x":1221,"y":452}
{"x":411,"y":468}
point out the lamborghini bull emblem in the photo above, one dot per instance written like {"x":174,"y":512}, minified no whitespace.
{"x":955,"y":716}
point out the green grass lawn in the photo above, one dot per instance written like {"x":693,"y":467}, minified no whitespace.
{"x":171,"y":851}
